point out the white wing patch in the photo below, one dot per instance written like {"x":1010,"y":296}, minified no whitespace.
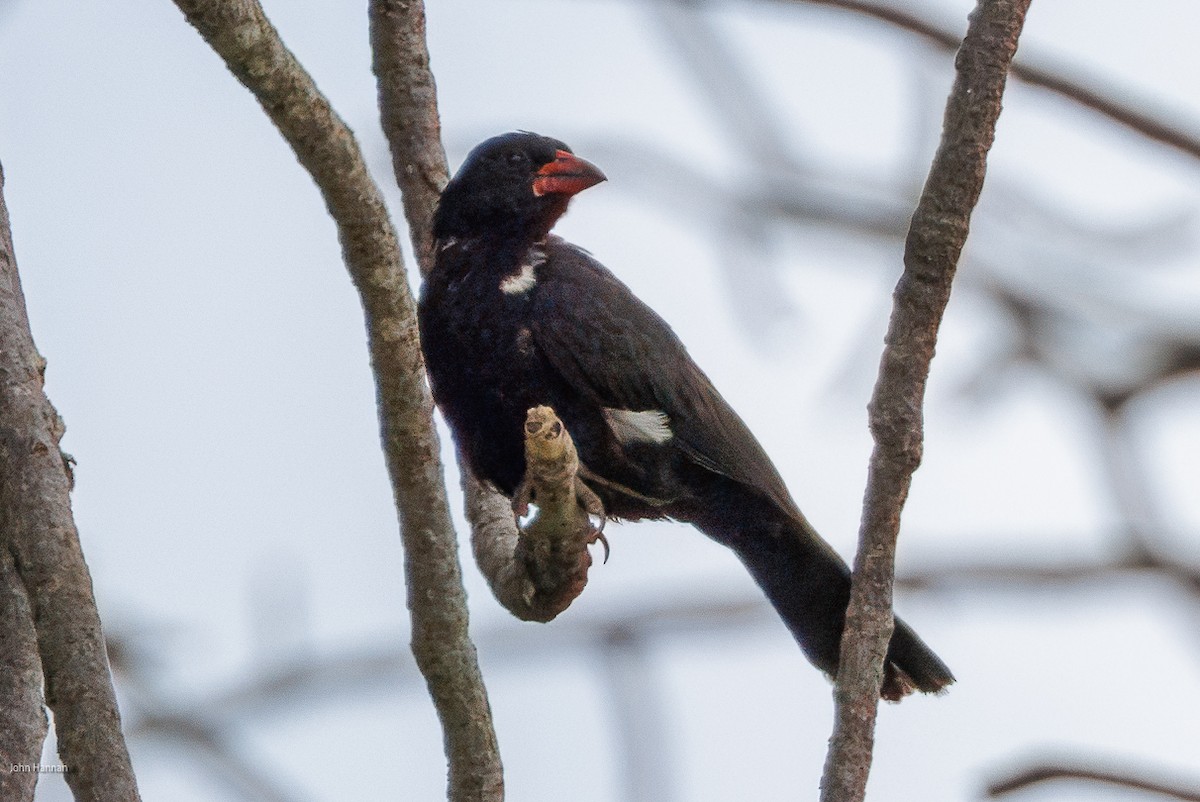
{"x":648,"y":426}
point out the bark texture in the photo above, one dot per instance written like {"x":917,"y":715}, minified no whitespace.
{"x":239,"y":31}
{"x":936,"y":236}
{"x":409,"y":113}
{"x":37,"y":530}
{"x":25,"y":724}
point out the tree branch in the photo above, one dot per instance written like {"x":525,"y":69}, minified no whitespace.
{"x":240,"y":32}
{"x":537,"y":573}
{"x":409,"y":113}
{"x":38,"y":531}
{"x":25,"y":725}
{"x":936,"y":237}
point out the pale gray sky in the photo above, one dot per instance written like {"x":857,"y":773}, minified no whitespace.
{"x":207,"y":352}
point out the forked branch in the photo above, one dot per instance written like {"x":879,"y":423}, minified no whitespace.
{"x":240,"y":32}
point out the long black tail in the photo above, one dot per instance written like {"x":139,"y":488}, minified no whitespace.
{"x":808,"y":584}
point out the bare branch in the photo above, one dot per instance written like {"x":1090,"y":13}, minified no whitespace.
{"x":240,"y":32}
{"x":38,"y":530}
{"x":936,"y":238}
{"x":408,"y":110}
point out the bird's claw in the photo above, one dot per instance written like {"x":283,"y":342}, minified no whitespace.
{"x":592,"y":505}
{"x":598,"y":535}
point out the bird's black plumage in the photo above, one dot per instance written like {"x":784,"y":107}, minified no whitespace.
{"x":513,"y":317}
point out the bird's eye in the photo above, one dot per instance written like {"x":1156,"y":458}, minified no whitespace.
{"x":517,"y":157}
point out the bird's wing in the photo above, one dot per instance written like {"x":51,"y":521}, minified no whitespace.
{"x":611,"y":347}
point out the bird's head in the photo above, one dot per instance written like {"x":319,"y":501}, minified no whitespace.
{"x":514,"y":185}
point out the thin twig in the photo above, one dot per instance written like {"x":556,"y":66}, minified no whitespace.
{"x":1052,"y":78}
{"x":216,"y":749}
{"x":936,"y":238}
{"x":240,"y":32}
{"x":1048,"y":772}
{"x":38,"y":530}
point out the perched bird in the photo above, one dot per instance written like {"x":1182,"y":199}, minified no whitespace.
{"x":512,"y":317}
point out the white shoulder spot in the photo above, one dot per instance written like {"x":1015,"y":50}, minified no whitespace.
{"x":520,"y":282}
{"x":525,"y":278}
{"x":647,"y":426}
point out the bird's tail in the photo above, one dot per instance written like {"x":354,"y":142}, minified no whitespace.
{"x":808,"y":584}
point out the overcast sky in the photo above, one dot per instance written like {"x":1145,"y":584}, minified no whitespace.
{"x":206,"y":350}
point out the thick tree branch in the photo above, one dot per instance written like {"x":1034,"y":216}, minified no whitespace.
{"x":936,"y":237}
{"x":37,"y":530}
{"x":25,"y":725}
{"x":240,"y":32}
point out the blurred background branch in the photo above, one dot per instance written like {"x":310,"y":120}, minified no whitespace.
{"x":1079,"y":771}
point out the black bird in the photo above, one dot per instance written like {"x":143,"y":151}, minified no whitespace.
{"x":512,"y":317}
